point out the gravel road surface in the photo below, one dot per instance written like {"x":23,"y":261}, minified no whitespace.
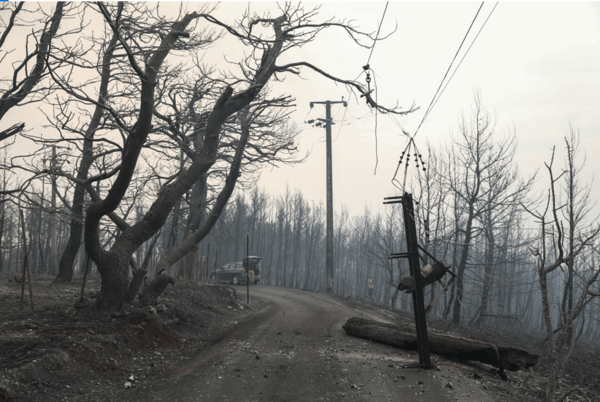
{"x":296,"y":350}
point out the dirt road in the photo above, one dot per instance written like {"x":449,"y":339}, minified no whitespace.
{"x":297,"y":351}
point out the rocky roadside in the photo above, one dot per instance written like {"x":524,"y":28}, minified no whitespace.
{"x":56,"y":352}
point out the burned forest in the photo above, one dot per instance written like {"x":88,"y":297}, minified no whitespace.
{"x":144,"y":239}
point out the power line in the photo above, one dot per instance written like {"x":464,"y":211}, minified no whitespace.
{"x":378,"y":30}
{"x":367,"y":68}
{"x":341,"y":125}
{"x":465,"y":55}
{"x":376,"y":120}
{"x":447,"y":71}
{"x":397,"y":123}
{"x":441,"y":88}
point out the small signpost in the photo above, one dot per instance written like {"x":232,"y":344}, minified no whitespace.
{"x":412,"y":254}
{"x":247,"y":269}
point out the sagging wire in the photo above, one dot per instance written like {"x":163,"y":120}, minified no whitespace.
{"x":378,"y":30}
{"x":367,"y":69}
{"x":465,"y":55}
{"x":447,"y":71}
{"x":376,"y":121}
{"x":341,"y":124}
{"x":437,"y":96}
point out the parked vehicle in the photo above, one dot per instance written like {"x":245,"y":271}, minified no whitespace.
{"x":235,"y":272}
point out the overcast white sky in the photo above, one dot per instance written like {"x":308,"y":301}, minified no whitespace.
{"x":537,"y":65}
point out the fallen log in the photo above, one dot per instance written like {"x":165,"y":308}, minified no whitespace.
{"x":463,"y":349}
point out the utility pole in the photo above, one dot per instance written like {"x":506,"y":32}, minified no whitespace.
{"x":412,"y":254}
{"x":328,"y":122}
{"x":53,"y":221}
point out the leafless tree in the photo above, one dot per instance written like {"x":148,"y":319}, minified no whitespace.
{"x":145,"y":40}
{"x":578,"y":207}
{"x":548,"y":261}
{"x":271,"y":140}
{"x":485,"y":183}
{"x":21,"y":86}
{"x":22,"y":80}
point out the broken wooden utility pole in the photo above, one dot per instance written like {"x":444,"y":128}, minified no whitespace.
{"x":328,"y":122}
{"x":412,"y":254}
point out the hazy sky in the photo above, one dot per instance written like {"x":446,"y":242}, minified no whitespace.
{"x":536,"y":64}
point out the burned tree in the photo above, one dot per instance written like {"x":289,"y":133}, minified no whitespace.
{"x":23,"y":86}
{"x":577,"y":211}
{"x":287,"y":33}
{"x":485,"y":186}
{"x":429,"y":273}
{"x":262,"y":132}
{"x":143,"y":46}
{"x":549,"y":259}
{"x":87,"y":133}
{"x":21,"y":83}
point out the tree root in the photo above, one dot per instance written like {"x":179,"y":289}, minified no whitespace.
{"x":149,"y":295}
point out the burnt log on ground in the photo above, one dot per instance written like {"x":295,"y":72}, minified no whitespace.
{"x":463,"y":349}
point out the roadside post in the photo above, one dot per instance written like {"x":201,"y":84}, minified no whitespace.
{"x":247,"y":269}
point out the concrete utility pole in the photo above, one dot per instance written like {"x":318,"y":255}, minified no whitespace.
{"x":53,"y":221}
{"x":328,"y":122}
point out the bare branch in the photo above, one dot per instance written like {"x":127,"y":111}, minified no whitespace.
{"x":353,"y":84}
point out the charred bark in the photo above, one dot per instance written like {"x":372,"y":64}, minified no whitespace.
{"x":189,"y":244}
{"x":20,"y":91}
{"x":149,"y":295}
{"x":464,"y":349}
{"x":429,"y":273}
{"x":115,"y":282}
{"x":9,"y":132}
{"x":65,"y":269}
{"x":112,"y":264}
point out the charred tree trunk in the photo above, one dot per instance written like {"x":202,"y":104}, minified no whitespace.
{"x":450,"y":346}
{"x":488,"y":274}
{"x":463,"y":265}
{"x":190,"y":243}
{"x":67,"y":260}
{"x":113,"y":268}
{"x":113,"y":264}
{"x":2,"y":214}
{"x":149,"y":295}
